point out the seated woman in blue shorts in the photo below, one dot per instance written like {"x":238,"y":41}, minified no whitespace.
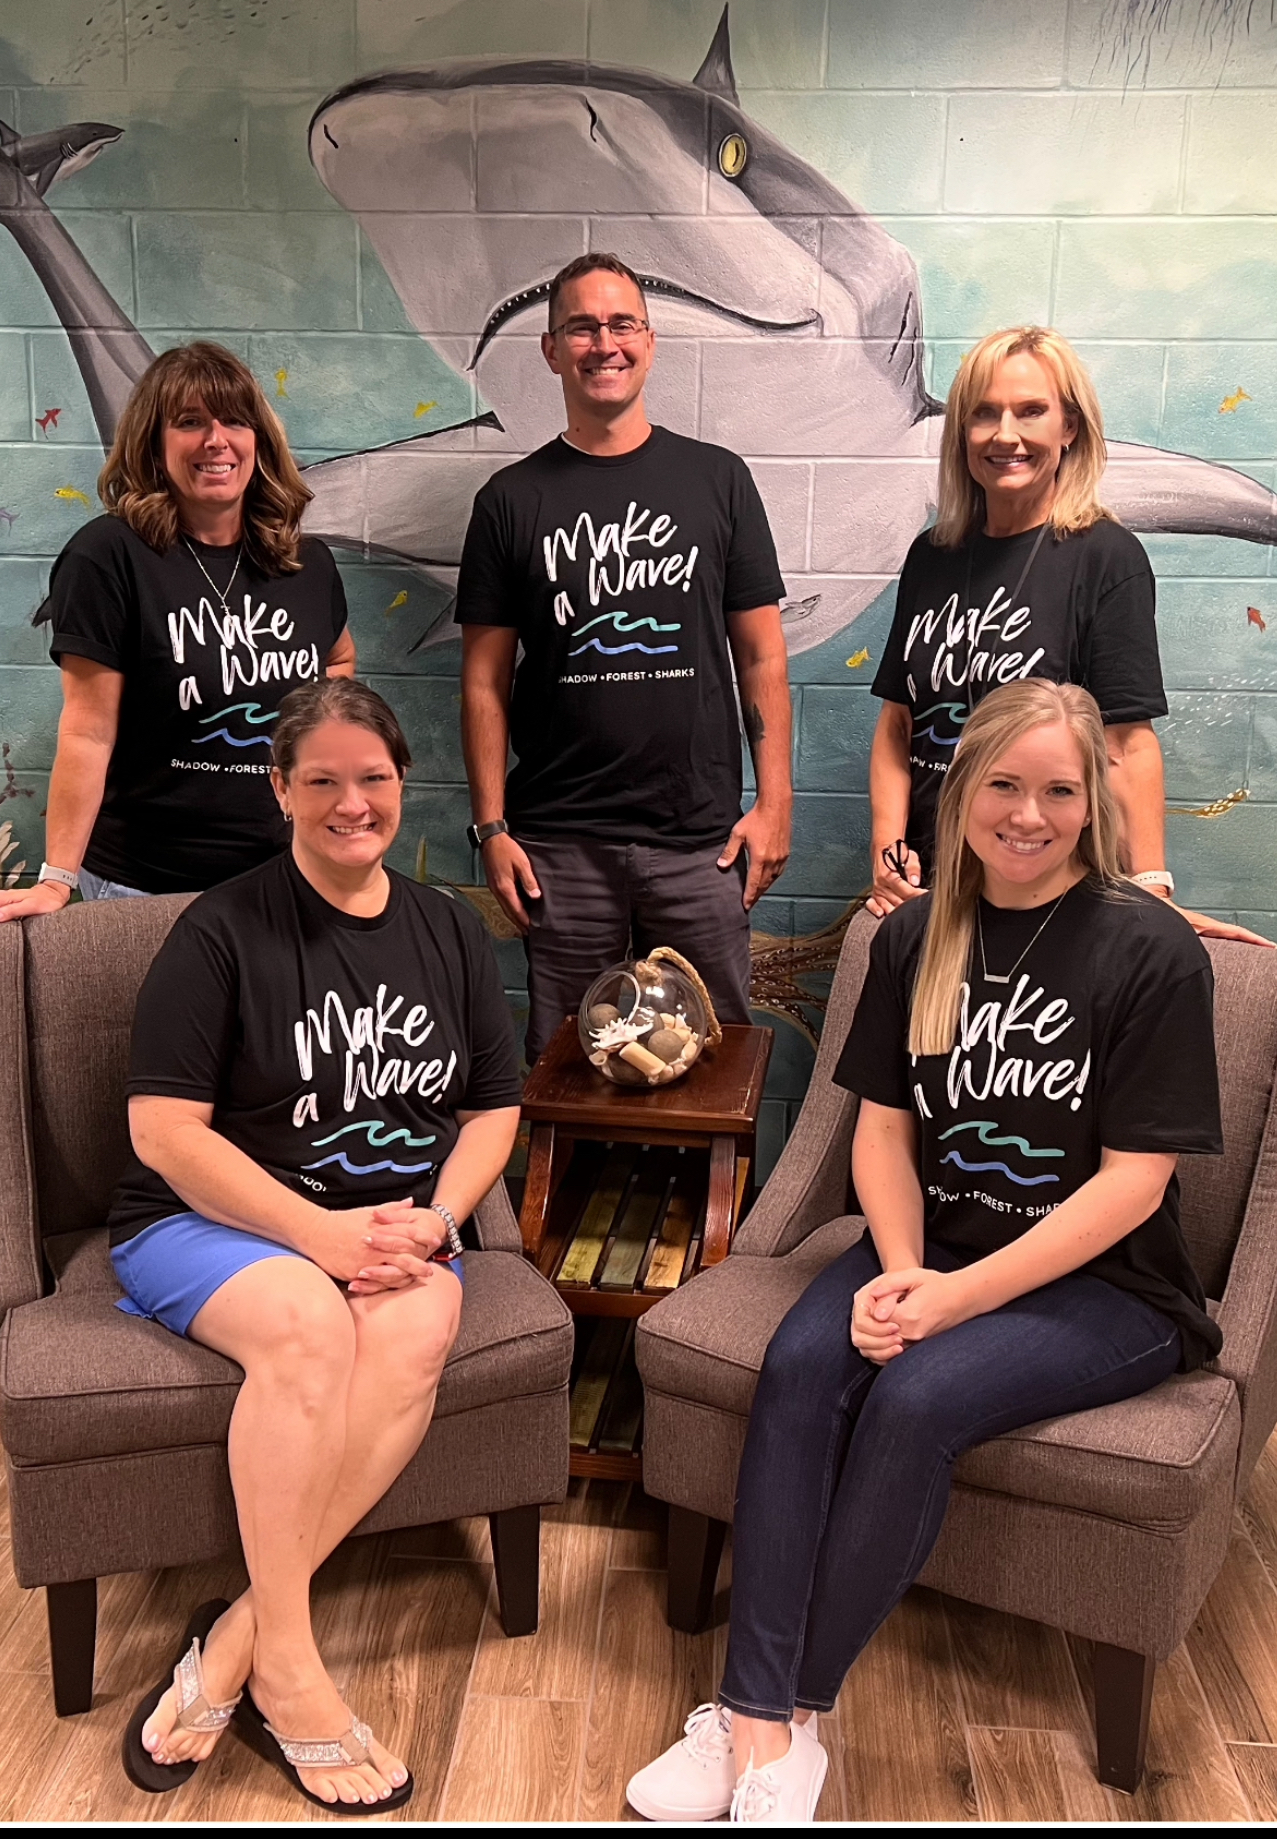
{"x":1033,"y":1049}
{"x":323,"y":1083}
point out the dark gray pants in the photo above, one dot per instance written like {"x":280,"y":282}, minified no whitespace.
{"x":604,"y":902}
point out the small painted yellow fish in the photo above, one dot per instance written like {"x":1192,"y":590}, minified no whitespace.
{"x":858,"y":658}
{"x":281,"y":378}
{"x":1231,"y":404}
{"x":423,"y":408}
{"x":69,"y":492}
{"x":400,"y":600}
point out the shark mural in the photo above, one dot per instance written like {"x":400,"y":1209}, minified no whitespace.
{"x":475,"y":181}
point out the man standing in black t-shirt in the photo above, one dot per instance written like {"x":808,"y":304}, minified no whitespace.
{"x":634,"y":567}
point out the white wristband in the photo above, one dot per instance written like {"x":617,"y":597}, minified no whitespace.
{"x":69,"y":878}
{"x":1155,"y":878}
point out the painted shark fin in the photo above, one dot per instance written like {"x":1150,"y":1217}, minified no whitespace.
{"x":107,"y":346}
{"x":716,"y":73}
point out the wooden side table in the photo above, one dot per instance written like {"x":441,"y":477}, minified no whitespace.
{"x":628,"y":1194}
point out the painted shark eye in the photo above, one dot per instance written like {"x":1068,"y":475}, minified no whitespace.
{"x":733,"y":156}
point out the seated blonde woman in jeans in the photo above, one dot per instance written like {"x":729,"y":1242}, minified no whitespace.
{"x":1033,"y":1050}
{"x":322,"y":1084}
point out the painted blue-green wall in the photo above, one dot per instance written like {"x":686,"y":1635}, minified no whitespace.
{"x":1107,"y":166}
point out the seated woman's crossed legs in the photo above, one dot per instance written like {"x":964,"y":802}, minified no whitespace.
{"x":338,"y":1393}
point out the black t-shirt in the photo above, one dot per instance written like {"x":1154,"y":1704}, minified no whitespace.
{"x":1084,"y":614}
{"x":617,"y":573}
{"x":188,"y":800}
{"x":1103,"y":1039}
{"x":334,"y":1050}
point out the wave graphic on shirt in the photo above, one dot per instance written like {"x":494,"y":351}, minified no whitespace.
{"x":369,"y":1168}
{"x":984,"y":1129}
{"x":957,"y":713}
{"x":378,"y":1135}
{"x":252,"y":713}
{"x":619,"y":628}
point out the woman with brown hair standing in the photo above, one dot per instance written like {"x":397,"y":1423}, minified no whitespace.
{"x":179,"y":621}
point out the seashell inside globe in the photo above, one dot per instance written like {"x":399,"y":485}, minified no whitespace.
{"x":642,"y":1023}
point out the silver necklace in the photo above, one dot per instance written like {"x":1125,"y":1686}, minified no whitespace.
{"x":984,"y":968}
{"x":223,"y":597}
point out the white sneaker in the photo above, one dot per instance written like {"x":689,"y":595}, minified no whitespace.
{"x":785,"y":1793}
{"x":695,"y":1778}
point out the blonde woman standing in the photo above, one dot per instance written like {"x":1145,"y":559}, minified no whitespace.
{"x":1025,"y":574}
{"x":1033,"y":1050}
{"x":179,"y":620}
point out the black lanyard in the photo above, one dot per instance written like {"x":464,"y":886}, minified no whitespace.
{"x":1015,"y":595}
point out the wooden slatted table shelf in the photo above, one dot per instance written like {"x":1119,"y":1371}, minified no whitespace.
{"x":628,"y":1194}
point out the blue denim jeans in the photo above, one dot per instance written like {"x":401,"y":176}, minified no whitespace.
{"x":845,"y":1476}
{"x":94,"y":887}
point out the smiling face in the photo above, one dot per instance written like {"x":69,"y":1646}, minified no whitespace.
{"x":344,"y":796}
{"x":1016,"y":435}
{"x":209,"y":462}
{"x":604,"y":375}
{"x":1026,"y":815}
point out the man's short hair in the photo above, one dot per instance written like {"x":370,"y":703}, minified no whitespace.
{"x":588,"y":265}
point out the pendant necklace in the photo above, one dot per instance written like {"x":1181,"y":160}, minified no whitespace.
{"x":223,"y":597}
{"x":967,"y":608}
{"x":985,"y":972}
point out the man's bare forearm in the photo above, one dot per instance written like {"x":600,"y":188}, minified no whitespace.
{"x":767,"y":715}
{"x":485,"y":742}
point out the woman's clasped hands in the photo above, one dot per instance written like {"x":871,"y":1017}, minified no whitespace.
{"x":904,"y":1306}
{"x":371,"y":1249}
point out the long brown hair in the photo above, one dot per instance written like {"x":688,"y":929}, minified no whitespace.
{"x":961,"y":511}
{"x":995,"y":724}
{"x":134,"y":485}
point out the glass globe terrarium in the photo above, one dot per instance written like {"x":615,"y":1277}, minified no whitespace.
{"x":645,"y":1022}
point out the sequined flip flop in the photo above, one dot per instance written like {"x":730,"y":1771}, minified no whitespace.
{"x":194,"y":1711}
{"x":288,"y":1754}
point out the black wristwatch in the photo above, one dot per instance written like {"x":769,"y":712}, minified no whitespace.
{"x":479,"y":833}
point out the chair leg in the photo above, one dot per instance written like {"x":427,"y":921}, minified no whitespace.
{"x":516,"y":1558}
{"x":695,"y":1547}
{"x":1123,"y":1693}
{"x":73,"y":1627}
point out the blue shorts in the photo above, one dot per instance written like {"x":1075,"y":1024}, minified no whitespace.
{"x":169,"y":1270}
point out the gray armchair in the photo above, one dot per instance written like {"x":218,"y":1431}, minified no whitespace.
{"x":114,"y":1430}
{"x":1111,"y":1524}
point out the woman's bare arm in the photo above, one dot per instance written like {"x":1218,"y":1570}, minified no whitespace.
{"x":175,"y":1137}
{"x":890,"y":789}
{"x":87,"y":729}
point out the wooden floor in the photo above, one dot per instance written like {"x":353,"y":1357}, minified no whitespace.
{"x":953,"y":1713}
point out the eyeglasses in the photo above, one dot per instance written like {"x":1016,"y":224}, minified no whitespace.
{"x":584,"y":331}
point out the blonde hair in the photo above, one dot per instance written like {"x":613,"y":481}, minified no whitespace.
{"x":997,"y":723}
{"x":133,"y":484}
{"x":1077,"y":506}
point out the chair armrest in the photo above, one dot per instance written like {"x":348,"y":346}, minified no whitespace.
{"x":1248,"y":1313}
{"x":20,"y":1274}
{"x":809,"y":1183}
{"x":495,"y":1223}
